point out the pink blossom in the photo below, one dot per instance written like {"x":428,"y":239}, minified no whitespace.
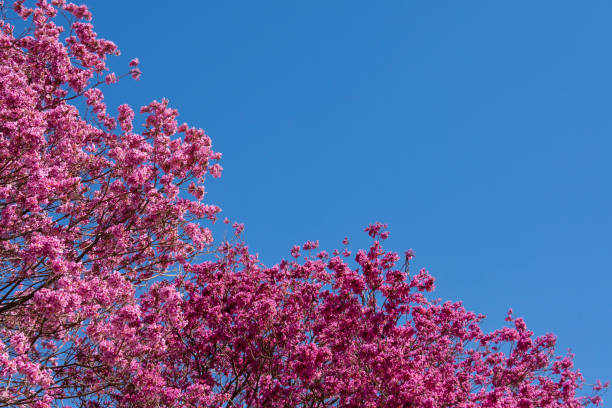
{"x":135,"y":73}
{"x":238,"y":228}
{"x":110,"y":78}
{"x":295,"y":251}
{"x":308,"y":245}
{"x":215,"y":170}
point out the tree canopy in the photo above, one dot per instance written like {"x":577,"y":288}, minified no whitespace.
{"x":113,"y":291}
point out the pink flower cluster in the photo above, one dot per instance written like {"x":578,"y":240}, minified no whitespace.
{"x":114,"y":294}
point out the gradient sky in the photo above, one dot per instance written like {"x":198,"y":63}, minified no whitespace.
{"x":479,"y":131}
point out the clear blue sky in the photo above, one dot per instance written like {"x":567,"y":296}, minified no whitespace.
{"x":479,"y":131}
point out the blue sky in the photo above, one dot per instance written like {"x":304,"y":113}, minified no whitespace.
{"x":479,"y":131}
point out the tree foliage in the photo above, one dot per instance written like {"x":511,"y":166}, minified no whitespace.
{"x":105,"y":299}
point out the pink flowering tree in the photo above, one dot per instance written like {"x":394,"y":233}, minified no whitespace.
{"x":89,"y":209}
{"x":316,"y":332}
{"x":112,"y":293}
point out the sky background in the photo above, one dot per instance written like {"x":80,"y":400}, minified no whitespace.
{"x":479,"y":131}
